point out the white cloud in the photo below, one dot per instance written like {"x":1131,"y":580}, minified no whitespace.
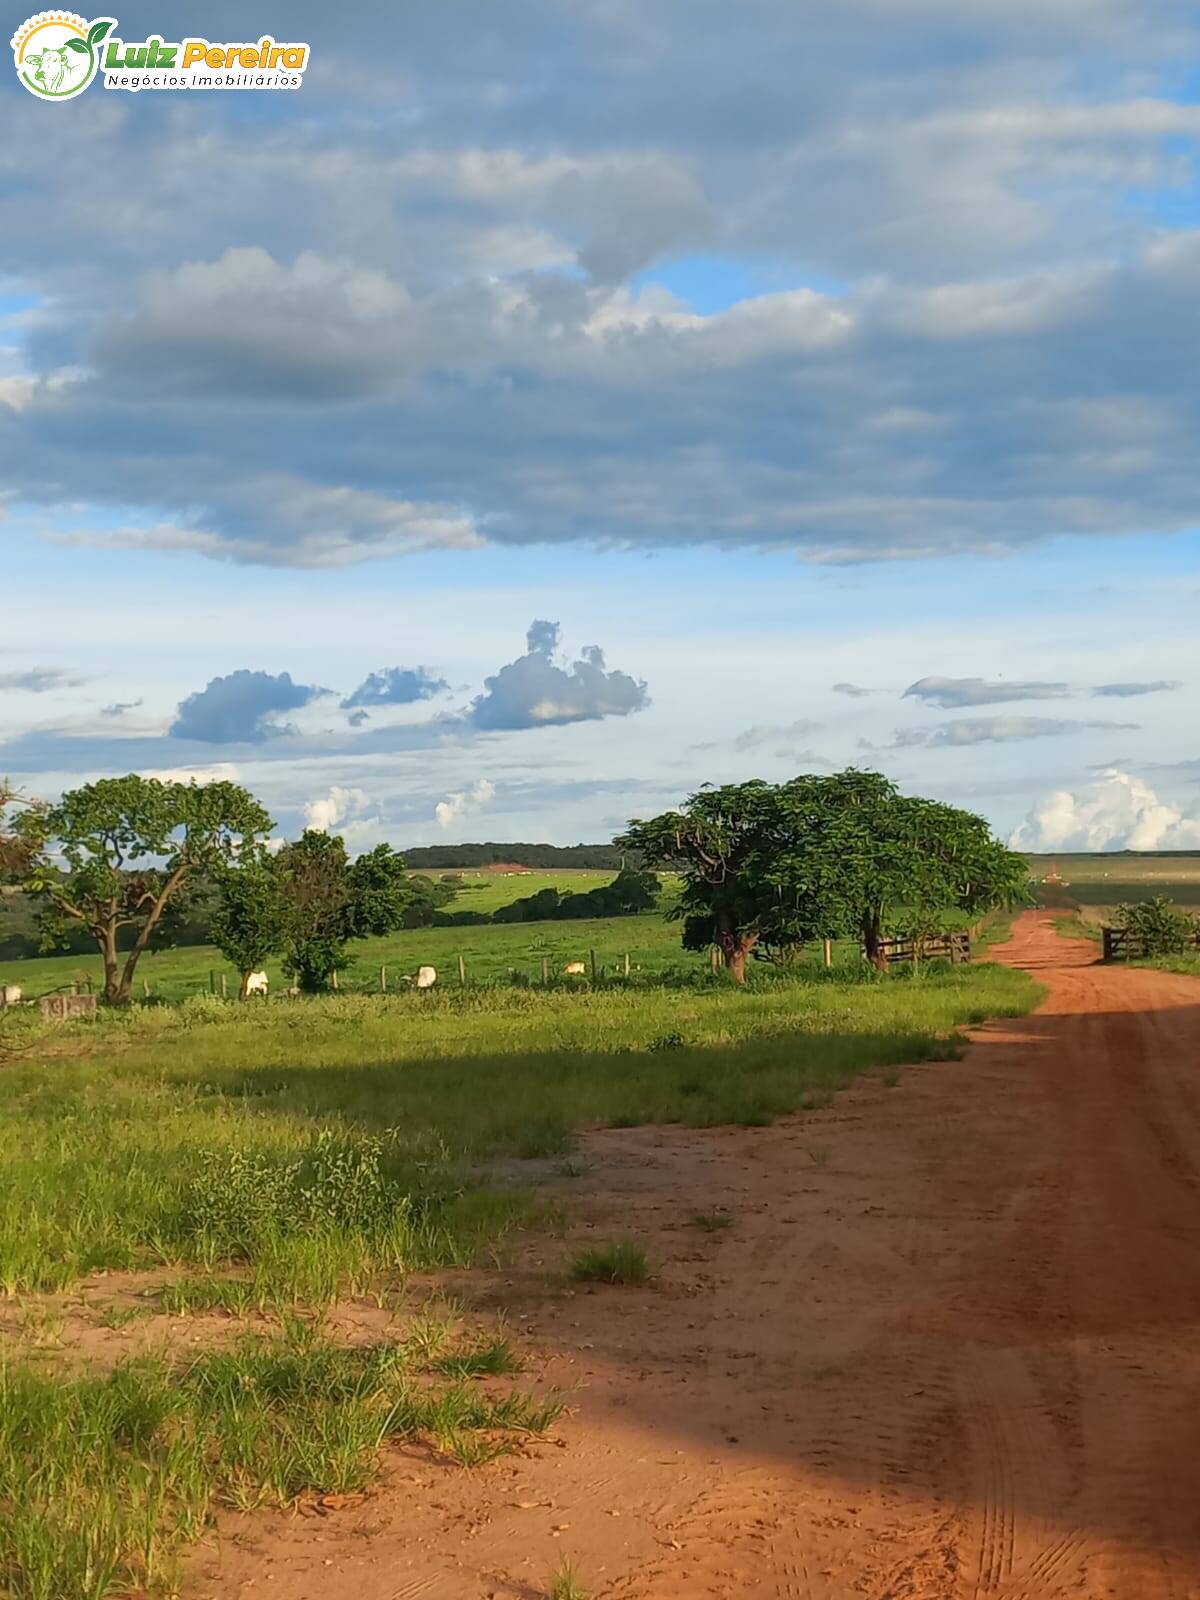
{"x":464,"y":802}
{"x":339,"y":805}
{"x":1119,"y":811}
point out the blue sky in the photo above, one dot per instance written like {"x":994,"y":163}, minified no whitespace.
{"x":782,"y":360}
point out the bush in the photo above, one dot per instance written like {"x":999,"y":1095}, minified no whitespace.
{"x":1159,"y":927}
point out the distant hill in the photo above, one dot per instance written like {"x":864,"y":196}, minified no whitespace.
{"x":594,"y":857}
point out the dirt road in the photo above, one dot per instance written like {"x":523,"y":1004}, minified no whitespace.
{"x":949,"y":1347}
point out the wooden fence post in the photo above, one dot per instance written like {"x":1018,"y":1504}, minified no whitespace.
{"x":627,"y":963}
{"x":224,"y":988}
{"x":545,"y":969}
{"x":335,"y":982}
{"x":462,"y":971}
{"x":713,"y":960}
{"x":212,"y":981}
{"x":383,"y":980}
{"x":593,"y":956}
{"x":827,"y":953}
{"x":145,"y":989}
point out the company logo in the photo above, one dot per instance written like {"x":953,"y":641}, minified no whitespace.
{"x":57,"y":54}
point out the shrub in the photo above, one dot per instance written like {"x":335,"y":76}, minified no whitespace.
{"x":1159,"y":927}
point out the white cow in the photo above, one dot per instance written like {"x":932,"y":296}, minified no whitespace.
{"x":254,"y":983}
{"x":11,"y":994}
{"x":426,"y":977}
{"x":575,"y":969}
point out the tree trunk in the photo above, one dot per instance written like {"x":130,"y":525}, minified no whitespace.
{"x":244,"y":990}
{"x":872,"y":935}
{"x":116,"y":993}
{"x":153,"y":917}
{"x":734,"y":948}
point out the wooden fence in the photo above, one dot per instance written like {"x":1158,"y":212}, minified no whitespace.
{"x":910,"y":951}
{"x":1122,"y":944}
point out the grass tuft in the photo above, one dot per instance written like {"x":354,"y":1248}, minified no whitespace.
{"x":565,"y":1585}
{"x":620,"y":1261}
{"x":491,"y":1359}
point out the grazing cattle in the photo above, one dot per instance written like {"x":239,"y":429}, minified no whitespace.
{"x":255,"y":983}
{"x":10,"y":994}
{"x":426,"y":977}
{"x":575,"y":969}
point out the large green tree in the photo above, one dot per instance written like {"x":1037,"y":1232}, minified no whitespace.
{"x":768,"y":866}
{"x":114,"y":855}
{"x":247,"y":924}
{"x":328,"y":901}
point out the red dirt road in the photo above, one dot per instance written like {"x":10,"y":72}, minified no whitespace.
{"x":950,"y":1347}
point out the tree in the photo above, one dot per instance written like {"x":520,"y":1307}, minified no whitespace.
{"x":114,"y":855}
{"x":773,"y":865}
{"x":16,"y":846}
{"x":327,"y":902}
{"x":381,"y":893}
{"x":247,"y":925}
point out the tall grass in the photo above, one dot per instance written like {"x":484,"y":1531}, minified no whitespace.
{"x":104,"y":1479}
{"x":319,"y":1143}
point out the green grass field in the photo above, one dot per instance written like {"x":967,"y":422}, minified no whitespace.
{"x":491,"y":954}
{"x":277,"y":1159}
{"x":488,"y":891}
{"x":1116,"y":878}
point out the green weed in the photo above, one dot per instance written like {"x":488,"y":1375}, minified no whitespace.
{"x":620,"y":1261}
{"x":565,"y":1585}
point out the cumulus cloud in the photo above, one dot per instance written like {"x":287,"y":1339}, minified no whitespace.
{"x":40,"y":680}
{"x":464,"y":802}
{"x":949,"y":693}
{"x":991,"y":730}
{"x":540,"y":323}
{"x":1122,"y":691}
{"x":241,"y":708}
{"x":1118,"y":811}
{"x":394,"y":686}
{"x":339,"y":805}
{"x":535,"y":692}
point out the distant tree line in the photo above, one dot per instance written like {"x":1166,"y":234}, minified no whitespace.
{"x":438,"y":857}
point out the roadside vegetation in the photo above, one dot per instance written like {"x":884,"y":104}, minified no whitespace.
{"x":104,"y":1478}
{"x":261,"y":1163}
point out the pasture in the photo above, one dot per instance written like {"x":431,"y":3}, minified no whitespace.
{"x":1102,"y":880}
{"x":491,"y":954}
{"x":274,"y":1162}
